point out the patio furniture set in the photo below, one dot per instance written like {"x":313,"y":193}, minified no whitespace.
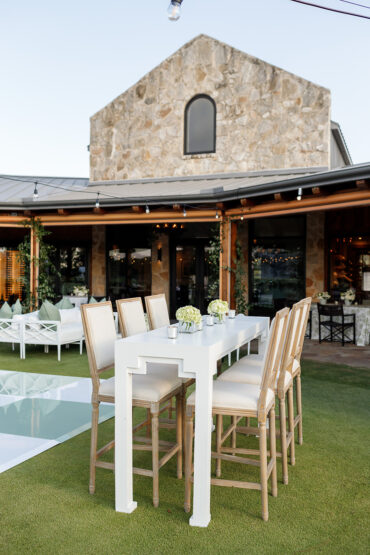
{"x":30,"y":329}
{"x":152,"y":369}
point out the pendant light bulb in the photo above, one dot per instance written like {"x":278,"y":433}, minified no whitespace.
{"x":35,"y":192}
{"x":299,"y":195}
{"x":147,"y":209}
{"x":217,"y":215}
{"x":97,"y":203}
{"x":174,"y":10}
{"x":184,"y":212}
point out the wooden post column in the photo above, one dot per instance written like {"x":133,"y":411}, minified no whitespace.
{"x":34,"y":268}
{"x":225,"y":259}
{"x":233,"y":238}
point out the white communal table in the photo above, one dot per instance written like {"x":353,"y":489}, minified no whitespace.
{"x":196,"y":355}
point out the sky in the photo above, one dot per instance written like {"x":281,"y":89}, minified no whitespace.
{"x":60,"y":62}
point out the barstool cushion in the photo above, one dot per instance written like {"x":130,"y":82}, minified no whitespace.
{"x":235,"y":396}
{"x":151,"y":387}
{"x":244,"y":373}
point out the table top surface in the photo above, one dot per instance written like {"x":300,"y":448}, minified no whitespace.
{"x":210,"y":336}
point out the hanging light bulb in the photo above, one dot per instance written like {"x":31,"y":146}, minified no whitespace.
{"x":184,"y":212}
{"x":242,"y":217}
{"x":217,"y":215}
{"x":147,"y":209}
{"x":174,"y":10}
{"x":35,"y":192}
{"x":299,"y":196}
{"x":97,"y":203}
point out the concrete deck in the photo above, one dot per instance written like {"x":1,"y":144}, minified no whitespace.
{"x":349,"y":354}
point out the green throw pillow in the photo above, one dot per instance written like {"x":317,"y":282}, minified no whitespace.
{"x":17,"y":307}
{"x":92,"y":300}
{"x":6,"y":311}
{"x":49,"y":312}
{"x":64,"y":303}
{"x":103,"y":300}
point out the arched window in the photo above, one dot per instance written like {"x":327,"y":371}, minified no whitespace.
{"x":200,"y":125}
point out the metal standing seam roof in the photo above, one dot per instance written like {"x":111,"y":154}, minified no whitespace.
{"x":16,"y":191}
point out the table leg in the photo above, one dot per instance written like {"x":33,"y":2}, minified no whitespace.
{"x":123,"y":439}
{"x":202,"y":448}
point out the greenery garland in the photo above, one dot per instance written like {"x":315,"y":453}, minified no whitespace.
{"x":47,"y":274}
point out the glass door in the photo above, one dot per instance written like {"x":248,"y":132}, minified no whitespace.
{"x":189,"y":275}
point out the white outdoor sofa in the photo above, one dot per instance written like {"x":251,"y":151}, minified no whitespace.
{"x":28,"y":329}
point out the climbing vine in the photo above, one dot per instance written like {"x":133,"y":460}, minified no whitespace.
{"x":47,"y":272}
{"x":240,"y":290}
{"x":214,"y":251}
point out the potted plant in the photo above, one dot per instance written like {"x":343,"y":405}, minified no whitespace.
{"x":348,"y":296}
{"x":323,"y":297}
{"x":218,"y":310}
{"x":190,"y":319}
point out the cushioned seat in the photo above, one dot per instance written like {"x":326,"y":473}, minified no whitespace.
{"x":242,"y":373}
{"x":149,"y":387}
{"x":249,"y":374}
{"x":235,"y":396}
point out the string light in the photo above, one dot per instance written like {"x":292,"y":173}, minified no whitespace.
{"x":174,"y":10}
{"x":217,"y":215}
{"x":147,"y":209}
{"x":35,"y":192}
{"x":97,"y":203}
{"x":299,"y":195}
{"x":242,"y":217}
{"x":184,"y":212}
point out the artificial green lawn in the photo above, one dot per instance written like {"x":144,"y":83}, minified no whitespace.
{"x":45,"y":506}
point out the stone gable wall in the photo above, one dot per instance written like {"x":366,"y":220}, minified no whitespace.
{"x":266,"y":118}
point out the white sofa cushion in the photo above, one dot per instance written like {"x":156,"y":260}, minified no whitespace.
{"x":70,"y":316}
{"x":235,"y":396}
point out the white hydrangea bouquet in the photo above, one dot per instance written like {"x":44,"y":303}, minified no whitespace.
{"x":189,"y":318}
{"x":323,"y":297}
{"x":218,"y":309}
{"x":80,"y":291}
{"x":348,"y":296}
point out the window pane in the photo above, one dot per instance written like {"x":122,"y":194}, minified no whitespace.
{"x":277,"y":263}
{"x":200,"y":126}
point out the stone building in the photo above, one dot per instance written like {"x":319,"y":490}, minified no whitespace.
{"x":212,"y":135}
{"x":266,"y":118}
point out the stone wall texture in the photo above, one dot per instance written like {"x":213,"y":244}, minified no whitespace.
{"x":98,"y":261}
{"x":266,"y":118}
{"x":315,"y":253}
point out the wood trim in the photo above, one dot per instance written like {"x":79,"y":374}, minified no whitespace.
{"x":233,"y":238}
{"x":308,"y":204}
{"x":34,"y":267}
{"x":225,"y":259}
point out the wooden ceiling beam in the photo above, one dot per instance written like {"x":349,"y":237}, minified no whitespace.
{"x":247,"y":203}
{"x":176,"y":207}
{"x":137,"y":209}
{"x":362,"y":184}
{"x":220,"y":205}
{"x":317,"y":191}
{"x":341,"y":199}
{"x":279,"y":197}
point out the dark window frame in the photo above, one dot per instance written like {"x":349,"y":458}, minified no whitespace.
{"x":187,"y":107}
